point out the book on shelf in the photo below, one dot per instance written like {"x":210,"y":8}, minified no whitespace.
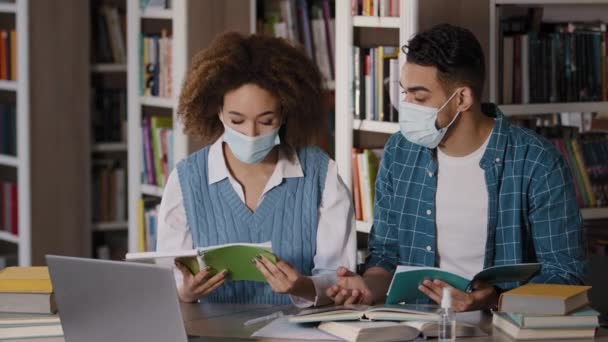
{"x":147,"y":223}
{"x":504,"y":323}
{"x":405,"y":282}
{"x":365,"y":165}
{"x":367,"y":313}
{"x":109,"y":32}
{"x":375,"y":8}
{"x":26,"y":290}
{"x":309,"y":23}
{"x":156,"y":65}
{"x":376,"y":83}
{"x":235,"y":258}
{"x":109,"y":191}
{"x":157,"y":156}
{"x":109,"y":114}
{"x":30,"y":332}
{"x":551,"y":62}
{"x":393,"y":331}
{"x":156,"y":4}
{"x":9,"y":208}
{"x":8,"y":129}
{"x":8,"y":55}
{"x":544,"y":299}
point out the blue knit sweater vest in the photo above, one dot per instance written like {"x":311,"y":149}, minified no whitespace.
{"x":287,"y":216}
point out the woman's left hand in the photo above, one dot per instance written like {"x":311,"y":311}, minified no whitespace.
{"x":284,"y":278}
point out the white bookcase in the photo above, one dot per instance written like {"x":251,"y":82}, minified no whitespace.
{"x":558,"y":11}
{"x":21,"y":162}
{"x":346,"y":23}
{"x":193,"y":24}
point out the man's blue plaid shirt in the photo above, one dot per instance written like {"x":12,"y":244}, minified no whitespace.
{"x":533,"y":215}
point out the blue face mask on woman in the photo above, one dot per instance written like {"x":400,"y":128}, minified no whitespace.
{"x":248,"y":149}
{"x":418,"y":123}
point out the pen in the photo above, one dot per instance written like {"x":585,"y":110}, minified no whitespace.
{"x":264,"y":318}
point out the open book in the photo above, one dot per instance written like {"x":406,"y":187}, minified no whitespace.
{"x":392,"y":331}
{"x":367,"y":313}
{"x":234,"y":257}
{"x":404,"y":286}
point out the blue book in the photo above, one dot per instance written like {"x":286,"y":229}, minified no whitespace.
{"x":583,"y":318}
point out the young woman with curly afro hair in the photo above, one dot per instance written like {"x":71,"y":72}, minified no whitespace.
{"x":257,"y":100}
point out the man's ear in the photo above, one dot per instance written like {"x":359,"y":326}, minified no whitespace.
{"x":464,"y":99}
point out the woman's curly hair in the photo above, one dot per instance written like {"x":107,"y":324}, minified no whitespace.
{"x":233,"y":60}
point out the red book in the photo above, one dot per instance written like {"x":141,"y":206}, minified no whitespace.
{"x":356,"y":185}
{"x":3,"y":56}
{"x":14,"y":210}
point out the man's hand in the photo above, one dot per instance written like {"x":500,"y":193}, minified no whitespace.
{"x":484,"y":296}
{"x":350,"y":288}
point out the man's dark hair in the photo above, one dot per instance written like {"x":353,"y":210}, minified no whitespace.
{"x":454,"y":51}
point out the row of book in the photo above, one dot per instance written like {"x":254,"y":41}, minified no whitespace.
{"x":110,"y":33}
{"x":309,"y":23}
{"x":109,"y":114}
{"x":558,"y":63}
{"x":8,"y":129}
{"x":9,"y":208}
{"x":376,"y":83}
{"x":8,"y":55}
{"x":375,"y":8}
{"x":365,"y":168}
{"x":156,"y":69}
{"x":546,"y":311}
{"x":147,"y":222}
{"x":109,"y":190}
{"x":158,"y":158}
{"x":27,"y":304}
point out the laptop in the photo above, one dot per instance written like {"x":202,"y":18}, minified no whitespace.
{"x":101,"y":301}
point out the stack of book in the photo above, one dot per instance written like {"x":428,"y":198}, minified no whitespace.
{"x":27,"y":306}
{"x":546,"y":311}
{"x":375,"y":8}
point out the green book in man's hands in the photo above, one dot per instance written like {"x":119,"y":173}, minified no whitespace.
{"x":235,"y":258}
{"x":404,"y":286}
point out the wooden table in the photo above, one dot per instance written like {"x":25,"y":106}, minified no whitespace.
{"x":224,"y":322}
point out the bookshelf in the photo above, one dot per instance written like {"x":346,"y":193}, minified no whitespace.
{"x":50,"y":162}
{"x":108,"y":75}
{"x":191,"y":24}
{"x":554,"y":11}
{"x":346,"y":126}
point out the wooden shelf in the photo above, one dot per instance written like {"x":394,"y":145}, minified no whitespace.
{"x":108,"y":68}
{"x":8,"y":8}
{"x":157,"y":13}
{"x":363,"y":226}
{"x":154,"y":101}
{"x":9,"y":160}
{"x":376,"y":126}
{"x":8,"y":85}
{"x":110,"y":147}
{"x":551,"y":2}
{"x":546,"y":108}
{"x":376,"y":22}
{"x":9,"y":237}
{"x":110,"y":226}
{"x":594,"y":213}
{"x":151,"y":190}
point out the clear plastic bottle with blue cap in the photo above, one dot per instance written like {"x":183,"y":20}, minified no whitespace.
{"x":447,"y":320}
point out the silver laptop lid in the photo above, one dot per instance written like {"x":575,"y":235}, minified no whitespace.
{"x":101,"y":301}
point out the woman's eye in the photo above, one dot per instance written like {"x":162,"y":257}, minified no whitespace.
{"x":266,"y":123}
{"x":236,"y":122}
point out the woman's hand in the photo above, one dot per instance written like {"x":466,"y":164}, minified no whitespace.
{"x":284,"y":278}
{"x":198,"y":285}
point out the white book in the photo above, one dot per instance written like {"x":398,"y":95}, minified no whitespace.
{"x":365,"y":187}
{"x":37,"y":331}
{"x":287,"y":14}
{"x":280,"y":30}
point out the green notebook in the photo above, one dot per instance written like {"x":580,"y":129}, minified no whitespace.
{"x":404,"y":286}
{"x":236,"y":258}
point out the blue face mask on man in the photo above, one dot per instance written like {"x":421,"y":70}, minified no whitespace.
{"x":418,"y":123}
{"x":250,"y":150}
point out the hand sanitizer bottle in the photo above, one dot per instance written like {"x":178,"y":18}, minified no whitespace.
{"x":447,"y":322}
